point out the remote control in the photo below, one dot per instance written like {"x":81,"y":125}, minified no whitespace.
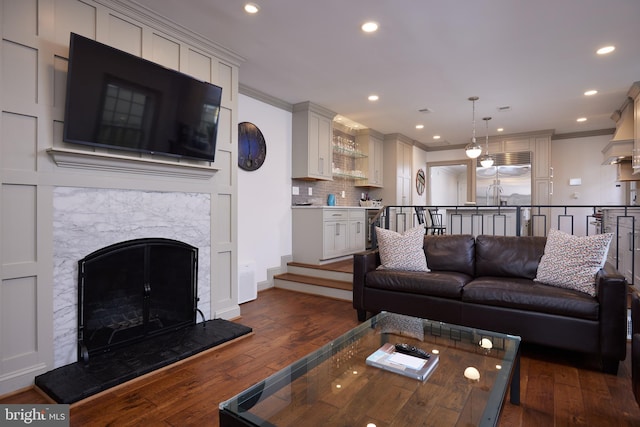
{"x":412,"y":351}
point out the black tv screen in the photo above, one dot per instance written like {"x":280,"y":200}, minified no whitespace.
{"x":120,"y":101}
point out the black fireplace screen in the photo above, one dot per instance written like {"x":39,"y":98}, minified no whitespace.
{"x":133,"y":290}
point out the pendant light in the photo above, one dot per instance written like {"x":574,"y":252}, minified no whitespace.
{"x":486,"y":160}
{"x":473,"y":149}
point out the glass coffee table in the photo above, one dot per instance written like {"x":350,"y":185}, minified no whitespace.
{"x":335,"y":386}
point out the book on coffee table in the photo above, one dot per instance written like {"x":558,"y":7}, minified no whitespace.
{"x":387,"y":358}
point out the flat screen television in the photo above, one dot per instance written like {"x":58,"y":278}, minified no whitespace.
{"x":120,"y":101}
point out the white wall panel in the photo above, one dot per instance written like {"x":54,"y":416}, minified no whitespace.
{"x":72,"y":16}
{"x":222,"y":281}
{"x":125,"y":35}
{"x":165,"y":52}
{"x":224,"y":224}
{"x":225,"y":148}
{"x":60,"y":67}
{"x":18,"y":218}
{"x":19,"y":144}
{"x":224,"y":159}
{"x":19,"y":76}
{"x":224,"y":79}
{"x":23,"y":29}
{"x":199,"y":66}
{"x":19,"y":315}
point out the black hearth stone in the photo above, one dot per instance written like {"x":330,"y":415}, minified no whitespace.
{"x":77,"y":381}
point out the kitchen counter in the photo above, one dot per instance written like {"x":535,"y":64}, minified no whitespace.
{"x":329,"y":207}
{"x":483,"y":208}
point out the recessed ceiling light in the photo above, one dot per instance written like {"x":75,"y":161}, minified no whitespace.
{"x":591,"y":92}
{"x":419,"y":126}
{"x":500,"y":129}
{"x":581,"y":119}
{"x":251,"y":8}
{"x":373,"y":97}
{"x":369,"y":27}
{"x":436,"y":137}
{"x":605,"y":50}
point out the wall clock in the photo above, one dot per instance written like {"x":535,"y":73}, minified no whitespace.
{"x":252,"y":148}
{"x":420,"y":182}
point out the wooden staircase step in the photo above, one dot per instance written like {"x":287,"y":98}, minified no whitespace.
{"x":344,"y":266}
{"x":317,"y":281}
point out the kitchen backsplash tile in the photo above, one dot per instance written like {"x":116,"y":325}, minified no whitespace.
{"x":322,"y":189}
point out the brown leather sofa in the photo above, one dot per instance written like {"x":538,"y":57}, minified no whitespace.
{"x":487,"y":283}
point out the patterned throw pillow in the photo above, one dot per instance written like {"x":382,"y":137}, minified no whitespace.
{"x":572,"y":262}
{"x":402,"y":251}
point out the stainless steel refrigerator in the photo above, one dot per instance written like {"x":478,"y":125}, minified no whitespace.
{"x":507,"y":182}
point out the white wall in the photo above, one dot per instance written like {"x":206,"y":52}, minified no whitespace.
{"x":582,"y":158}
{"x":264,"y":195}
{"x":419,"y":162}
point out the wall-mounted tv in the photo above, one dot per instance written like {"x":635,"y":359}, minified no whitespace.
{"x":120,"y":101}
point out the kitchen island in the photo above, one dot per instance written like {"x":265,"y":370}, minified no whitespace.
{"x":476,"y":220}
{"x":323,"y":234}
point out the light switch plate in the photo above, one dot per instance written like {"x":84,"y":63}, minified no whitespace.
{"x":295,"y":191}
{"x":310,"y":191}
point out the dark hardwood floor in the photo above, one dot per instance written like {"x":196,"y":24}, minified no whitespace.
{"x":557,"y":388}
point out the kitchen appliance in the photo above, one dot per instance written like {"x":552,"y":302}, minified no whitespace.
{"x":507,"y":182}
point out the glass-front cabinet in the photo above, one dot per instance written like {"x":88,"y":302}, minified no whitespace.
{"x":346,"y":153}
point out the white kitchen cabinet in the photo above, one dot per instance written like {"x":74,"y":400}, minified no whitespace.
{"x":371,"y":142}
{"x":624,"y":251}
{"x":543,"y":171}
{"x":335,"y":226}
{"x":324,"y":234}
{"x":312,"y":150}
{"x":398,"y":162}
{"x":357,"y":230}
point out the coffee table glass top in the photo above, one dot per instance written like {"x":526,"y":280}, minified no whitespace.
{"x":335,"y":386}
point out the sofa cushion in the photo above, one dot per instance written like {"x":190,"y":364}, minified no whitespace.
{"x":402,"y":251}
{"x":572,"y":262}
{"x":508,"y":256}
{"x":450,"y":253}
{"x":437,"y":284}
{"x":525,"y":294}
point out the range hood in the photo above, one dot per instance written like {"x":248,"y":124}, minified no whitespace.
{"x":621,"y":145}
{"x":625,"y":172}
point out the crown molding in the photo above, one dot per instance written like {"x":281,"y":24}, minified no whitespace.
{"x":264,"y":97}
{"x":585,"y":134}
{"x":161,"y":23}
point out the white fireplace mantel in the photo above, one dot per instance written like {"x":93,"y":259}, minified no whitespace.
{"x":78,"y":159}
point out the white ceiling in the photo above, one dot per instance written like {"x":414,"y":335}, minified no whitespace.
{"x":537,"y":57}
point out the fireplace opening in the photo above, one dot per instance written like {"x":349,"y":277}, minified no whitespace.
{"x":134,"y":290}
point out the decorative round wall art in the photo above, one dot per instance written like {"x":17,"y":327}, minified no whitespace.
{"x":420,"y":182}
{"x":252,"y":148}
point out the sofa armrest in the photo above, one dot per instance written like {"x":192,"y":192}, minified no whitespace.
{"x":363,"y":262}
{"x":611,"y":289}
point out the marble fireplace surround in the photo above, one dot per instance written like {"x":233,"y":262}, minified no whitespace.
{"x":87,"y":219}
